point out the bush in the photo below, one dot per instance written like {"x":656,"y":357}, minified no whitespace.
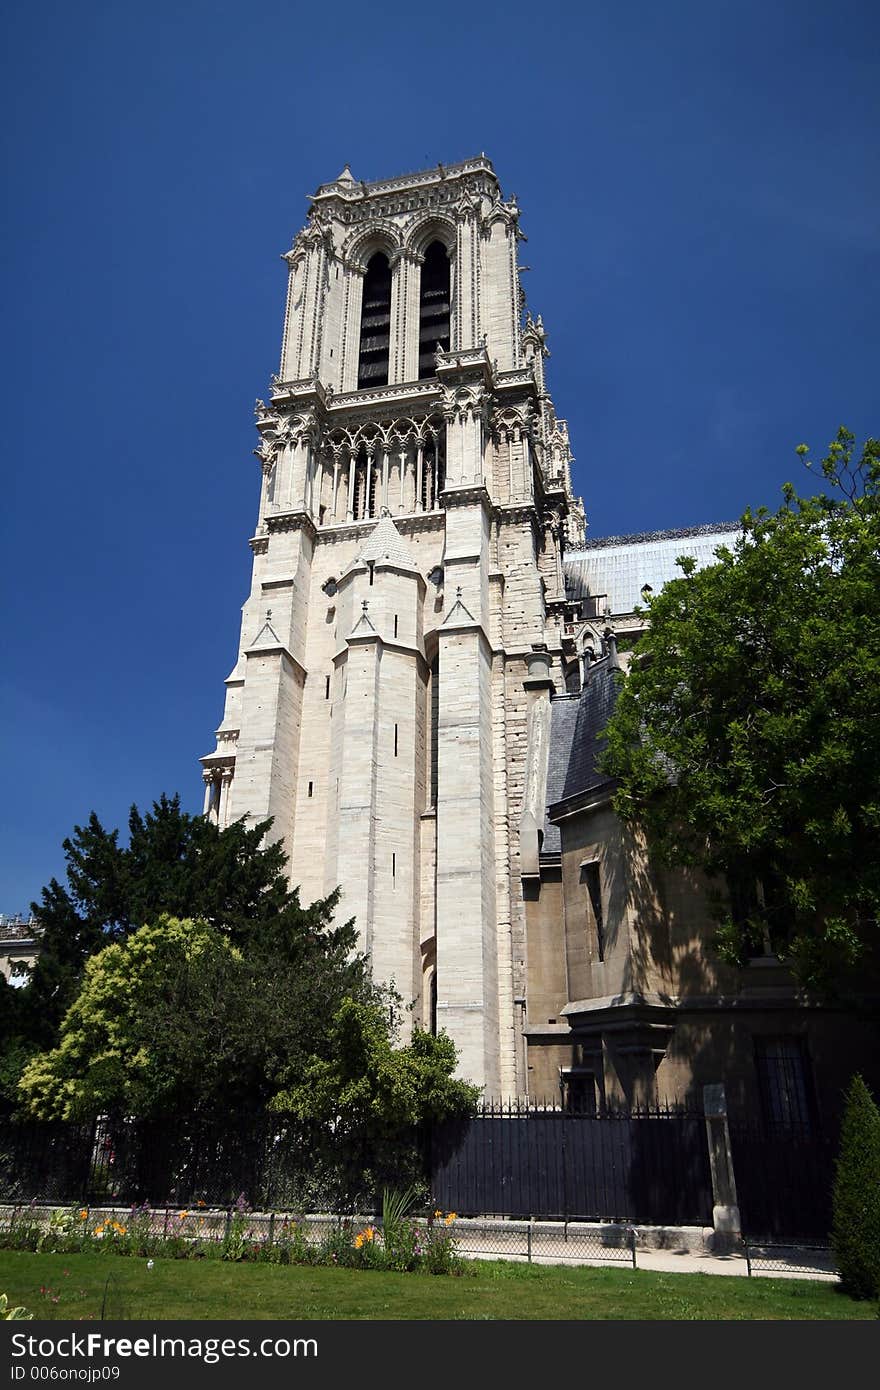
{"x":855,"y":1234}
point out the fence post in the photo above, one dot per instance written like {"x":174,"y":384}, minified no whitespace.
{"x":725,"y":1208}
{"x":529,"y":1241}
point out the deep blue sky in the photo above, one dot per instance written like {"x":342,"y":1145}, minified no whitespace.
{"x":700,"y":192}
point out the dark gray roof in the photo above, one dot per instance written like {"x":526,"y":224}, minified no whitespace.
{"x":576,"y":741}
{"x":595,"y":707}
{"x":563,"y":717}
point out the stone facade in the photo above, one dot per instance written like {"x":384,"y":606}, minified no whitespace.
{"x":415,"y":503}
{"x":426,"y":665}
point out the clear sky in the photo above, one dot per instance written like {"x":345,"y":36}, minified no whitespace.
{"x":700,"y":190}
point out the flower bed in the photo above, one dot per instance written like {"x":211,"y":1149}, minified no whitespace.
{"x":404,"y":1243}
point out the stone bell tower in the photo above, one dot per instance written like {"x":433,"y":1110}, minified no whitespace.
{"x":416,"y":496}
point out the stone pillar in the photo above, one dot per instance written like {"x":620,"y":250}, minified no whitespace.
{"x":725,"y":1210}
{"x":349,"y":510}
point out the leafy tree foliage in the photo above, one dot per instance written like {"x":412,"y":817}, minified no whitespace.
{"x":747,"y":733}
{"x":855,"y":1234}
{"x":291,"y":967}
{"x":174,"y":864}
{"x":372,"y":1101}
{"x":176,"y":1021}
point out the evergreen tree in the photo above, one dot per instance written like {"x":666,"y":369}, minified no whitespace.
{"x":855,"y":1234}
{"x":182,"y":866}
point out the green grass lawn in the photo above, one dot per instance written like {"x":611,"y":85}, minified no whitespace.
{"x":78,"y":1286}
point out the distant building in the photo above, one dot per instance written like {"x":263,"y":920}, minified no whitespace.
{"x":425,"y":668}
{"x":19,"y":947}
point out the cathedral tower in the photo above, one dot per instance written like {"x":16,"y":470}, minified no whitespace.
{"x":407,"y":587}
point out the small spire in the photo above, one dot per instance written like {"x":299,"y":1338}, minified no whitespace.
{"x":346,"y":176}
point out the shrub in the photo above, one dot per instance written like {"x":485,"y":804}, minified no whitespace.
{"x":855,"y":1234}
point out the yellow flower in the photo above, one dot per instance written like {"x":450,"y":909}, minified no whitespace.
{"x":437,"y":1214}
{"x":84,"y":1214}
{"x":369,"y":1233}
{"x":358,"y":1240}
{"x":450,"y":1218}
{"x":182,"y":1215}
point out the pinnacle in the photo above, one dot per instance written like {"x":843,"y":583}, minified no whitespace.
{"x":267,"y":636}
{"x":346,"y":176}
{"x":386,"y":543}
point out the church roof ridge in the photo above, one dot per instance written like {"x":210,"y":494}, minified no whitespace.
{"x":709,"y":528}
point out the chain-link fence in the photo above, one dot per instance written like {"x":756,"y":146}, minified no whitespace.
{"x":802,"y":1260}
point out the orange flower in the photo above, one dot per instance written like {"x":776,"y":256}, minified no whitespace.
{"x":182,"y":1215}
{"x":84,"y":1214}
{"x":450,"y":1218}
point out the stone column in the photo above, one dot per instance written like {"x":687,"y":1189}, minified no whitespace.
{"x":226,"y":787}
{"x":368,"y":480}
{"x":401,"y":506}
{"x":208,"y":779}
{"x":333,"y":516}
{"x":725,"y":1209}
{"x":349,"y":510}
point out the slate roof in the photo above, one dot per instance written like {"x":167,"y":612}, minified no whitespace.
{"x":386,"y":543}
{"x":576,"y":740}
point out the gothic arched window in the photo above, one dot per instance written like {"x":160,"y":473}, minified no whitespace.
{"x":375,"y":323}
{"x":433,"y":307}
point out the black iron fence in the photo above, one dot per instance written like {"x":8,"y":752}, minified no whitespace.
{"x":518,"y":1160}
{"x":784,"y":1181}
{"x":272,"y":1164}
{"x":514,"y":1162}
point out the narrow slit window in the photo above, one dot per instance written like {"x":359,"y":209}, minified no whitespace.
{"x":395,"y":625}
{"x":311,"y":788}
{"x":327,"y":689}
{"x":393,"y":866}
{"x":591,"y":878}
{"x":395,"y":740}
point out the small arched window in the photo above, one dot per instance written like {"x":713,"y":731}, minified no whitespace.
{"x":433,"y":307}
{"x":375,"y":323}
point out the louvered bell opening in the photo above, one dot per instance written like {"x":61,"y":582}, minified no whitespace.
{"x":434,"y":307}
{"x":375,"y":324}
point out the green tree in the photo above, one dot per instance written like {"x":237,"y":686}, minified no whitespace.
{"x":747,"y":734}
{"x":855,"y":1233}
{"x":374,"y":1103}
{"x":174,"y":863}
{"x":177,"y":1021}
{"x":296,"y":961}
